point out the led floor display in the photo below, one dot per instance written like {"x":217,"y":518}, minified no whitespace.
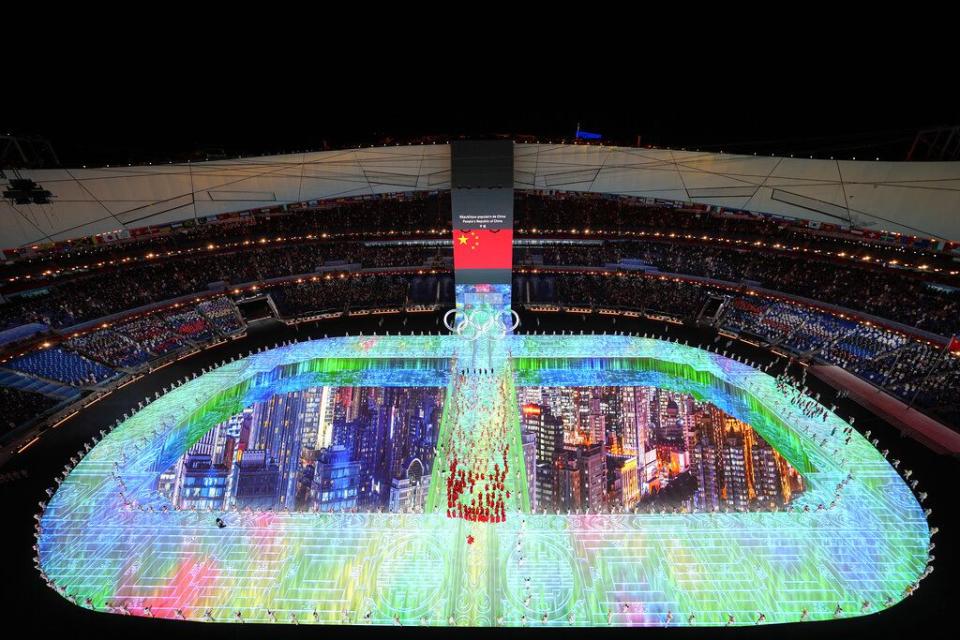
{"x":508,"y":519}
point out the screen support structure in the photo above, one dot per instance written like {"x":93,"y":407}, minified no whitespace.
{"x":482,"y":210}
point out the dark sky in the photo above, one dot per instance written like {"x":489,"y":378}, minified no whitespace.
{"x":862,"y":104}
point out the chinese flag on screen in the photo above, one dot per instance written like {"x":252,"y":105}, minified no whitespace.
{"x":483,"y":248}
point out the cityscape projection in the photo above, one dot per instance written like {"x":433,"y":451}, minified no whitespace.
{"x":605,"y":447}
{"x":372,"y":449}
{"x":319,"y":449}
{"x":483,"y":479}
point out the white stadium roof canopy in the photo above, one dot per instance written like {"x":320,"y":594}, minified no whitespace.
{"x":915,"y":198}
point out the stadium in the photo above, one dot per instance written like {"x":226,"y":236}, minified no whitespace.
{"x":481,"y":381}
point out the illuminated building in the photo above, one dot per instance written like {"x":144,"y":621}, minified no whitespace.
{"x":736,"y":483}
{"x":408,"y":494}
{"x":530,"y":465}
{"x":335,"y":481}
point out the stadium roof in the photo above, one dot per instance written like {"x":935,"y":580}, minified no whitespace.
{"x":915,"y":198}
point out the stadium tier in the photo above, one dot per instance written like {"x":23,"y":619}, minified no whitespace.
{"x":110,"y":347}
{"x":152,"y":333}
{"x":189,"y":324}
{"x":884,"y":280}
{"x":61,"y":365}
{"x":864,"y":349}
{"x":222,"y":315}
{"x":18,"y":406}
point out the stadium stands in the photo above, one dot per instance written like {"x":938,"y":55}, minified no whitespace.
{"x":92,"y":282}
{"x":851,"y":273}
{"x":18,"y":407}
{"x":189,"y":324}
{"x":744,"y":313}
{"x":340,"y":293}
{"x":780,"y":321}
{"x":865,"y":351}
{"x":110,"y":347}
{"x":817,"y":332}
{"x":63,"y":366}
{"x":222,"y":315}
{"x":56,"y":390}
{"x":152,"y":334}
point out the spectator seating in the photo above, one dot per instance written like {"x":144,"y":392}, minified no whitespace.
{"x":151,"y":334}
{"x":29,"y":384}
{"x":780,"y":321}
{"x":222,"y":315}
{"x":818,"y":330}
{"x":867,"y":351}
{"x":18,"y":407}
{"x":744,"y":313}
{"x":189,"y":324}
{"x":61,"y":365}
{"x":110,"y":347}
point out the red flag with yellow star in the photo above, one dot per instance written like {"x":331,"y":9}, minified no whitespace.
{"x":483,"y":248}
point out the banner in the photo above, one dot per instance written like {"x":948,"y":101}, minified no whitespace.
{"x":481,"y":198}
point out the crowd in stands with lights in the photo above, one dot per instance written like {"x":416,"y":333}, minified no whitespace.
{"x":62,"y":366}
{"x":189,"y":324}
{"x":153,"y":334}
{"x":895,"y":295}
{"x":863,"y":276}
{"x":623,"y":291}
{"x":19,"y":406}
{"x":892,"y":295}
{"x":336,"y":294}
{"x":914,"y":370}
{"x":110,"y":347}
{"x":911,"y":369}
{"x":412,"y":216}
{"x":636,"y":244}
{"x":97,"y":295}
{"x":222,"y":315}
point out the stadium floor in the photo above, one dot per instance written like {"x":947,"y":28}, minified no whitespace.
{"x":27,"y":596}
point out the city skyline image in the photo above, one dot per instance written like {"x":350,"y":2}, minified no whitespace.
{"x":584,"y":449}
{"x":634,"y":447}
{"x":317,"y":449}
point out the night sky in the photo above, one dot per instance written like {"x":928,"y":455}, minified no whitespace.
{"x":861,"y":105}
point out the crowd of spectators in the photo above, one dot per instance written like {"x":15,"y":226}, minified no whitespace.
{"x":654,"y":295}
{"x":338,"y":294}
{"x":937,"y":392}
{"x":110,"y":347}
{"x":366,"y":218}
{"x":744,"y":313}
{"x":189,"y":324}
{"x":779,"y":321}
{"x":916,"y":371}
{"x":151,"y":333}
{"x":540,"y":214}
{"x":119,"y":289}
{"x":222,"y":315}
{"x":18,"y":406}
{"x":62,"y":366}
{"x":888,"y":293}
{"x":864,"y":351}
{"x":92,"y":282}
{"x":911,"y":369}
{"x":690,"y":243}
{"x":817,"y":331}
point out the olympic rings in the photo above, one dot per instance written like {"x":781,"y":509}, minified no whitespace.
{"x":480,"y":322}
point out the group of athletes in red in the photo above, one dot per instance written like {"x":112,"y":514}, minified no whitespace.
{"x":471,"y":476}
